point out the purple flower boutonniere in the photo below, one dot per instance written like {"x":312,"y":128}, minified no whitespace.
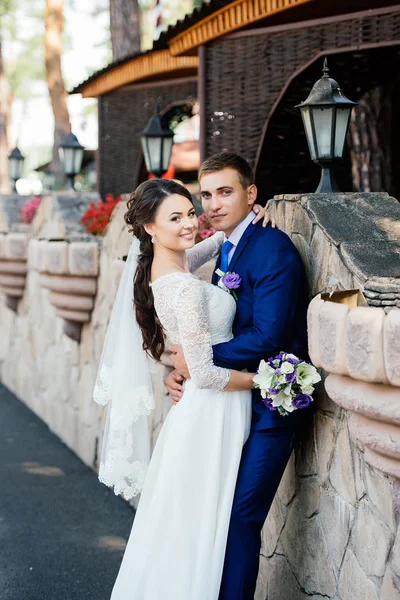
{"x":229,"y":282}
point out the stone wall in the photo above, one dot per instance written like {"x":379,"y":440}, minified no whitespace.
{"x":333,"y":530}
{"x":50,"y":372}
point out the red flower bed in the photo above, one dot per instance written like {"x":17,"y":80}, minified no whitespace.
{"x":98,"y":216}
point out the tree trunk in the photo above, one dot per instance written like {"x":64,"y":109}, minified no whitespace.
{"x":125,"y":28}
{"x":53,"y":48}
{"x":370,"y":142}
{"x":5,"y":112}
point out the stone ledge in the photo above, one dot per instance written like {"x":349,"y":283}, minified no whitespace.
{"x":13,"y":267}
{"x":359,"y":230}
{"x":69,"y":269}
{"x":374,"y":421}
{"x":362,"y":342}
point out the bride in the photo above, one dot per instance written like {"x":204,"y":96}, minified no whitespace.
{"x":177,"y":543}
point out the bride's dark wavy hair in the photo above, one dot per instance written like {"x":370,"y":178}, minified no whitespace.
{"x":143,"y":205}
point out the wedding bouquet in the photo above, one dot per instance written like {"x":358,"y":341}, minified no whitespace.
{"x":286,"y":383}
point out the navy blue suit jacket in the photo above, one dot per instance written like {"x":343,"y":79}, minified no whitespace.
{"x":271,"y":310}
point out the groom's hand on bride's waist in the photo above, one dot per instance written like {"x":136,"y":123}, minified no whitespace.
{"x":173,"y":383}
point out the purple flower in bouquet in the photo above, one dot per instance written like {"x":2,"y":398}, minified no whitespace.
{"x":302,"y":401}
{"x":232,"y":281}
{"x":268,"y":404}
{"x":291,"y":377}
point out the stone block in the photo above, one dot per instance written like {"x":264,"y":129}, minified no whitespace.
{"x":380,"y":437}
{"x":287,"y":486}
{"x":281,"y":583}
{"x":336,"y":518}
{"x":16,"y":246}
{"x":42,"y":256}
{"x":359,"y":469}
{"x":14,"y":267}
{"x":353,"y":582}
{"x":305,"y":252}
{"x":395,"y":556}
{"x":332,"y":326}
{"x":77,"y":316}
{"x":320,"y":256}
{"x":325,"y":430}
{"x":81,"y":286}
{"x":390,"y":586}
{"x":57,"y":257}
{"x":391,"y":346}
{"x":371,"y":550}
{"x":273,"y":527}
{"x":306,"y":458}
{"x":307,"y":554}
{"x":386,"y":464}
{"x":364,"y":343}
{"x":374,"y":400}
{"x":33,"y":253}
{"x":337,"y":268}
{"x":380,"y":491}
{"x":12,"y":280}
{"x":83,"y":258}
{"x":71,"y":302}
{"x":341,"y":472}
{"x":302,"y":223}
{"x":309,"y":496}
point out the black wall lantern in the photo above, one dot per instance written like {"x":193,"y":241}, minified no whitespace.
{"x":326,"y":117}
{"x":157,"y":139}
{"x":71,"y":155}
{"x":15,"y":163}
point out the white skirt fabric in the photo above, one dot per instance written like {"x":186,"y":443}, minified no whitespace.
{"x":177,"y":544}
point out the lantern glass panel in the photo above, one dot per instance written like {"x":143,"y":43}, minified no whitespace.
{"x":146,"y":153}
{"x":342,"y":119}
{"x":305,"y":113}
{"x":323,"y":130}
{"x":15,"y":166}
{"x":166,"y":152}
{"x":154,"y":145}
{"x":78,"y":157}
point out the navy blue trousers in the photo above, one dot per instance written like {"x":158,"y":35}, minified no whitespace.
{"x":265,"y":456}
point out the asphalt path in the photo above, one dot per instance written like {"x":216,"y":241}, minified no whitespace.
{"x":62,"y":533}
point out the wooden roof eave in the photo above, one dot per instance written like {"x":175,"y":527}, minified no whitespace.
{"x":232,"y":17}
{"x":138,"y":69}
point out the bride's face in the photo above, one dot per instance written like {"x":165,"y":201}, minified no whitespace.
{"x":175,"y":225}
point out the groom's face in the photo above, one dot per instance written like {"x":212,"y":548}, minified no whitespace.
{"x":225,"y":201}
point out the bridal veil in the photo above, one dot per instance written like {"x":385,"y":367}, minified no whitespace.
{"x":123,"y":383}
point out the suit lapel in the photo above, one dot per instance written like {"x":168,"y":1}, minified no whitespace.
{"x":241,"y":246}
{"x":214,"y":278}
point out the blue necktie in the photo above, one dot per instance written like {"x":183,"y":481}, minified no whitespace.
{"x":226,"y":248}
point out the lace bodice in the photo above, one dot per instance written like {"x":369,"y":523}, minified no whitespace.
{"x":196,"y":315}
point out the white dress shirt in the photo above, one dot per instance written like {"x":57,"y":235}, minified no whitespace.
{"x":237,"y":233}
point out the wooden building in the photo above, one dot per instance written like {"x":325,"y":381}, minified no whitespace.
{"x":250,"y":62}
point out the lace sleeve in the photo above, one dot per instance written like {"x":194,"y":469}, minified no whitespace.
{"x":204,"y":251}
{"x":192,"y":317}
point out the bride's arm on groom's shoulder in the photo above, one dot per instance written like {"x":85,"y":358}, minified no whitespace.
{"x":192,"y":316}
{"x":210,"y":247}
{"x":279,"y":278}
{"x":204,"y":251}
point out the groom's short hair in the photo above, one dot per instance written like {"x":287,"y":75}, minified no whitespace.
{"x":229,"y":160}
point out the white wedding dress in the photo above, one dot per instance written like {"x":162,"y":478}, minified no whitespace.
{"x":177,"y":545}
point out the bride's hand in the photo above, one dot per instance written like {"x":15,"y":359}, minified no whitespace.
{"x":262,"y":213}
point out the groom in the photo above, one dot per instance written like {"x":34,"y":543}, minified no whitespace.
{"x":270,"y":317}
